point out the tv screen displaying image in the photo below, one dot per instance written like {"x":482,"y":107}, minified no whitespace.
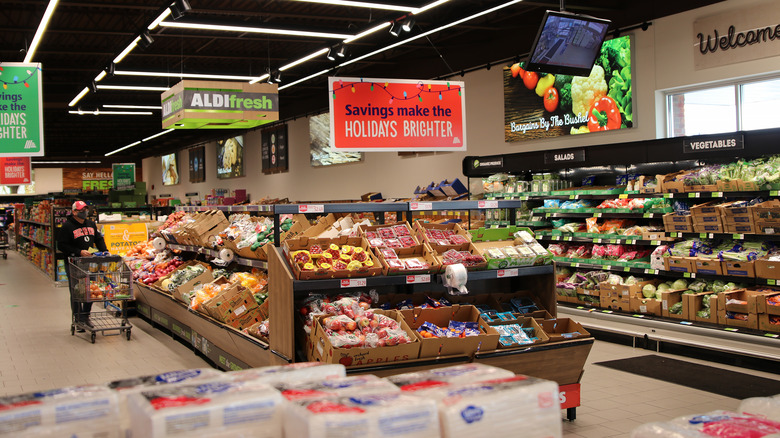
{"x":170,"y":171}
{"x":567,"y":43}
{"x":230,"y":157}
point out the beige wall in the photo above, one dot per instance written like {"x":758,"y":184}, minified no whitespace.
{"x":662,"y":60}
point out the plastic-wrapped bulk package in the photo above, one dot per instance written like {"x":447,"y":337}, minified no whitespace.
{"x":339,"y":386}
{"x":713,"y":424}
{"x":217,"y":408}
{"x":389,"y":415}
{"x":467,"y":373}
{"x":293,"y":373}
{"x":80,"y":412}
{"x":125,"y":387}
{"x":768,"y":407}
{"x":525,"y":405}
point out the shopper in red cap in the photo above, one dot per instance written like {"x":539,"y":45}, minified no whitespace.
{"x":77,"y":235}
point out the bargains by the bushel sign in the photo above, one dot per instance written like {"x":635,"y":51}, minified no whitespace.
{"x":21,"y":110}
{"x":396,"y":115}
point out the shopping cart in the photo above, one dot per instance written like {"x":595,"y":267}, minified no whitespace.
{"x":3,"y":243}
{"x":100,"y":279}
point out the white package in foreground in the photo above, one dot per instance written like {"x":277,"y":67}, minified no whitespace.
{"x":390,"y":415}
{"x":82,"y":411}
{"x":445,"y":376}
{"x":368,"y":384}
{"x":524,"y":405}
{"x":213,"y":409}
{"x":292,"y":373}
{"x":769,"y":407}
{"x":715,"y":423}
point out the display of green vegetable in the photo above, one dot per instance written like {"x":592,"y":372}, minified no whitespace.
{"x":676,"y":308}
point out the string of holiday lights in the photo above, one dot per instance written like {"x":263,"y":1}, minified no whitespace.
{"x":383,"y":87}
{"x":16,"y":80}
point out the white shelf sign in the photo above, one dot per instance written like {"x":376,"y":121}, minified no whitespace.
{"x":309,"y":208}
{"x":419,"y":206}
{"x":502,"y":273}
{"x":416,"y":279}
{"x":354,"y":282}
{"x":487,"y":204}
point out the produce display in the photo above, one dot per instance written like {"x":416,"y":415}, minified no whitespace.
{"x":332,"y":258}
{"x":367,"y":329}
{"x":444,"y":237}
{"x":181,"y":276}
{"x":466,"y":258}
{"x":251,"y":232}
{"x":612,"y":252}
{"x":317,"y":304}
{"x":715,"y":423}
{"x":737,"y":250}
{"x":173,"y":221}
{"x":149,"y":265}
{"x":514,"y":334}
{"x":396,"y":236}
{"x":455,"y":329}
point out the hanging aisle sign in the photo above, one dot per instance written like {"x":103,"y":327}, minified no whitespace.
{"x":15,"y":170}
{"x":21,"y":110}
{"x":396,"y":115}
{"x":124,"y":176}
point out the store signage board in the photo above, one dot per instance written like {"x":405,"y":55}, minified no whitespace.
{"x":21,"y":110}
{"x":15,"y":170}
{"x":121,"y":237}
{"x":124,"y":176}
{"x":87,"y":179}
{"x":737,"y":35}
{"x":488,"y":163}
{"x":197,"y":164}
{"x":535,"y":106}
{"x":219,"y":105}
{"x":396,"y":115}
{"x":568,"y":156}
{"x":709,"y":143}
{"x":273,"y":149}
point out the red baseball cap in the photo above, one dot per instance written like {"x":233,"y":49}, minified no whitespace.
{"x":79,"y":205}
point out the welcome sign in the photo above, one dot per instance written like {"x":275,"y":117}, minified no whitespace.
{"x":396,"y":115}
{"x":21,"y":110}
{"x":219,"y":105}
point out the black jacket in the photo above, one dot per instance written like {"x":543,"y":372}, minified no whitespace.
{"x":74,"y":237}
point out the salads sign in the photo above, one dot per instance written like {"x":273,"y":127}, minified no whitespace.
{"x":539,"y":105}
{"x":21,"y":110}
{"x":737,"y":35}
{"x":396,"y":115}
{"x":709,"y":143}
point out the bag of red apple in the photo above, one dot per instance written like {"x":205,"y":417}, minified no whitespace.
{"x":345,"y":340}
{"x":339,"y":322}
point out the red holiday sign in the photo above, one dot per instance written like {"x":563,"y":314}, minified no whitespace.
{"x":396,"y":115}
{"x":15,"y":170}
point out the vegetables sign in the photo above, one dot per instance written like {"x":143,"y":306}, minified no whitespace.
{"x":540,"y":105}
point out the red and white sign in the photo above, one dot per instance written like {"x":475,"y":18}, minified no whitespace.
{"x":569,"y":395}
{"x":420,"y":206}
{"x":318,"y":208}
{"x":502,"y":273}
{"x":487,"y":204}
{"x":396,"y":115}
{"x":416,"y":279}
{"x":354,"y":282}
{"x":15,"y":170}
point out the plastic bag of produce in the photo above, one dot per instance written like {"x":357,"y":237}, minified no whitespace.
{"x":716,"y":423}
{"x":768,"y":407}
{"x":446,"y":376}
{"x":293,"y":373}
{"x":336,"y":387}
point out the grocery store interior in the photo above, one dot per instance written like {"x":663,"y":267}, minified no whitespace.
{"x":410,"y":202}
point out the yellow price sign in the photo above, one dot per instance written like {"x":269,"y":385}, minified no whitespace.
{"x":121,"y":237}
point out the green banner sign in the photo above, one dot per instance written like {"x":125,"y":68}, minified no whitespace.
{"x":21,"y":110}
{"x":124,"y":176}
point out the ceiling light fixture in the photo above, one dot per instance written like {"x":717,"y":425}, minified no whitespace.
{"x":258,"y":79}
{"x":429,"y":6}
{"x":93,"y":87}
{"x":66,"y":162}
{"x":100,"y":76}
{"x":158,"y":134}
{"x":343,"y":51}
{"x":127,"y":50}
{"x":367,"y":32}
{"x":302,"y":60}
{"x":159,"y":19}
{"x":131,"y":88}
{"x":136,"y":143}
{"x":79,"y":96}
{"x":41,"y":30}
{"x":179,"y":8}
{"x":331,"y":54}
{"x":151,"y":107}
{"x":356,"y":4}
{"x":112,"y":113}
{"x":277,"y":76}
{"x":111,"y":69}
{"x":146,"y":40}
{"x":229,"y":28}
{"x":395,"y":29}
{"x":181,"y":75}
{"x":304,"y":79}
{"x":408,"y":23}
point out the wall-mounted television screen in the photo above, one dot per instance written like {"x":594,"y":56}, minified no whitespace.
{"x":170,"y":170}
{"x":567,"y":43}
{"x":230,"y":157}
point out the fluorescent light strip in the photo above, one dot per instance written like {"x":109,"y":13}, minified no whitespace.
{"x":151,"y":107}
{"x":136,"y":143}
{"x":158,"y":134}
{"x":429,"y":6}
{"x":424,"y":34}
{"x":303,"y":79}
{"x":201,"y":26}
{"x":304,"y":59}
{"x":66,"y":162}
{"x":261,"y":78}
{"x":367,"y":32}
{"x":112,"y":113}
{"x":79,"y":96}
{"x":181,"y":75}
{"x":41,"y":30}
{"x":159,"y":19}
{"x":356,"y":4}
{"x":127,"y":50}
{"x":100,"y":76}
{"x":130,"y":88}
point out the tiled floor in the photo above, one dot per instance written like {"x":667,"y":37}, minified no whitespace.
{"x":37,"y":352}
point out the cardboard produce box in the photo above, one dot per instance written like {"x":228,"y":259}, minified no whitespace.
{"x":764,"y":302}
{"x":322,"y":350}
{"x":614,"y":301}
{"x":234,"y":306}
{"x":668,"y":299}
{"x":397,"y":230}
{"x":707,"y":228}
{"x":205,"y":227}
{"x":707,"y":213}
{"x":645,"y":306}
{"x":669,"y":183}
{"x":439,"y":246}
{"x":678,"y":223}
{"x":679,"y":264}
{"x":626,"y":290}
{"x":768,"y":211}
{"x":563,"y":329}
{"x":707,"y":266}
{"x":434,"y":347}
{"x":767,"y":268}
{"x":421,"y":253}
{"x":746,"y":307}
{"x":182,"y":293}
{"x":695,"y":303}
{"x":304,"y":243}
{"x":486,"y":238}
{"x":538,"y":332}
{"x":739,"y":269}
{"x":769,"y":322}
{"x":739,"y":228}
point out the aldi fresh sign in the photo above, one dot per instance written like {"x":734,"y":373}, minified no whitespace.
{"x":21,"y":110}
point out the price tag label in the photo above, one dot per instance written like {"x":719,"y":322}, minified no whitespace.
{"x":311,"y":208}
{"x":638,"y":316}
{"x":647,"y":215}
{"x":524,"y":198}
{"x":568,"y":238}
{"x":668,"y":195}
{"x":417,"y":279}
{"x":596,"y":240}
{"x":623,"y":196}
{"x":686,"y":323}
{"x":354,"y":282}
{"x":606,"y":311}
{"x":487,"y":204}
{"x":608,"y":268}
{"x":648,"y":271}
{"x":694,"y":195}
{"x":626,"y":269}
{"x":572,"y":197}
{"x":687,"y":274}
{"x":420,"y":206}
{"x":731,"y":329}
{"x":556,"y":237}
{"x":598,"y":214}
{"x":774,"y":193}
{"x":702,"y":235}
{"x":503,"y":273}
{"x":576,"y":265}
{"x":717,"y":194}
{"x":771,"y":282}
{"x":613,"y":241}
{"x":770,"y":335}
{"x":674,"y":235}
{"x":711,"y":236}
{"x":655,"y":242}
